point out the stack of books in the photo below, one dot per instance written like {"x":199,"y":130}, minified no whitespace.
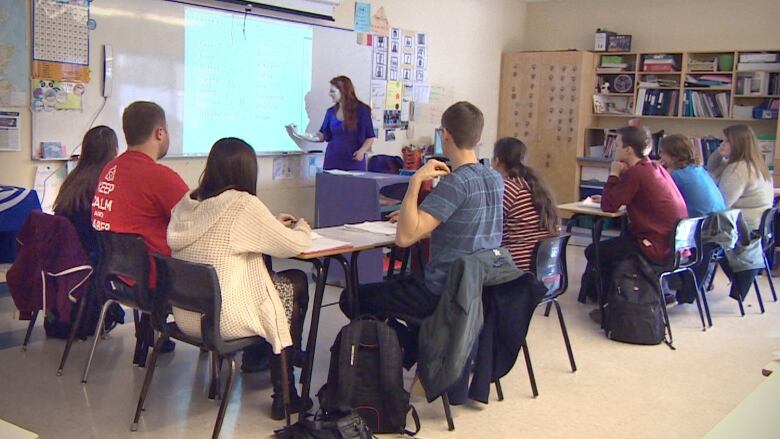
{"x":704,"y":104}
{"x":758,"y":83}
{"x":719,"y":82}
{"x":753,"y":62}
{"x":659,"y":63}
{"x":651,"y":102}
{"x":703,"y":65}
{"x":614,"y":63}
{"x":652,"y":81}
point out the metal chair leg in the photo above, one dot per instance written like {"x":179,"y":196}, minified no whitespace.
{"x":98,"y":332}
{"x":445,"y":400}
{"x":530,"y":368}
{"x":499,"y":392}
{"x":72,"y":336}
{"x":214,"y":366}
{"x":565,"y":335}
{"x":667,"y":324}
{"x":147,"y":382}
{"x":30,"y":327}
{"x":758,"y":295}
{"x":698,"y":302}
{"x":547,"y":309}
{"x":769,"y":278}
{"x":741,"y":307}
{"x":226,"y":397}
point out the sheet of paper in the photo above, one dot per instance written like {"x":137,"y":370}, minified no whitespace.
{"x":422,"y":93}
{"x":287,"y":167}
{"x":378,"y":97}
{"x":379,"y":23}
{"x":48,"y":180}
{"x":394,"y":94}
{"x":340,"y":172}
{"x":377,"y":227}
{"x":10,"y":134}
{"x":362,"y":17}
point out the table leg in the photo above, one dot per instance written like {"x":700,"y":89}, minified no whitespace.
{"x":311,"y":343}
{"x":598,"y":225}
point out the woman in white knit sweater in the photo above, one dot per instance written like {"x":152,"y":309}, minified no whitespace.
{"x":742,"y":176}
{"x":224,"y":224}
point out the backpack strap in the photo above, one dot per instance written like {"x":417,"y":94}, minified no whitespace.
{"x":416,"y":419}
{"x":348,"y":352}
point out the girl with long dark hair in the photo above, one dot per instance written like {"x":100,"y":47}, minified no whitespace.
{"x":74,"y":200}
{"x":529,"y":204}
{"x":222,"y":223}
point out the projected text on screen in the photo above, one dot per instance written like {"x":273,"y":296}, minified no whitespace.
{"x":243,"y":78}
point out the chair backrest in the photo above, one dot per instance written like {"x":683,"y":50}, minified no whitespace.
{"x":686,"y":243}
{"x":123,"y":269}
{"x":767,"y":228}
{"x":548,"y":262}
{"x":193,"y":287}
{"x":386,"y":164}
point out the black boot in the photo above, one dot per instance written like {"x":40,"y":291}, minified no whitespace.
{"x":297,"y":404}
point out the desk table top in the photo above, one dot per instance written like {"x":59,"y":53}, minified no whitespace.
{"x":584,"y":209}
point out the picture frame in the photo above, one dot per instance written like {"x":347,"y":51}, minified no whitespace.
{"x":619,"y":43}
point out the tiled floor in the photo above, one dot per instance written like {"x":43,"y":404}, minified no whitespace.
{"x":620,"y":390}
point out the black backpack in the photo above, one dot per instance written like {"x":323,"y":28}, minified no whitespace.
{"x":348,"y":426}
{"x":633,"y":309}
{"x":366,"y":376}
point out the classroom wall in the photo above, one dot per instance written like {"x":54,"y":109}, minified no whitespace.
{"x":655,"y":25}
{"x":466,"y":39}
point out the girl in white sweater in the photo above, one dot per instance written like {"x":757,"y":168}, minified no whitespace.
{"x":222,"y":223}
{"x":742,"y":176}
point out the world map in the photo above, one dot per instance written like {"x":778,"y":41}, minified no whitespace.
{"x":14,"y":59}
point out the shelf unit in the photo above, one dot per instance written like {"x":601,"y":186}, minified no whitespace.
{"x":735,"y":104}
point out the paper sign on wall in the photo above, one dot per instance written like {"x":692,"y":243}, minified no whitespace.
{"x":379,"y":24}
{"x":362,"y":17}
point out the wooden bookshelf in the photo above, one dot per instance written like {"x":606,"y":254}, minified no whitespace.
{"x":693,"y":73}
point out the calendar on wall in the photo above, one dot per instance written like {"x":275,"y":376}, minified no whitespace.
{"x":60,"y":31}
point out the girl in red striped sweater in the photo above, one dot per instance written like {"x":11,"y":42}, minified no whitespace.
{"x":529,"y":204}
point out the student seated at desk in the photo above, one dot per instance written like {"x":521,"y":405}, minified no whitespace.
{"x":135,"y":194}
{"x":697,"y":187}
{"x":742,"y":175}
{"x":653,"y":203}
{"x":74,"y":201}
{"x":462,"y":215}
{"x":530,"y":214}
{"x":222,"y":223}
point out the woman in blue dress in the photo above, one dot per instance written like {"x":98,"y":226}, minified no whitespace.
{"x":347,"y":128}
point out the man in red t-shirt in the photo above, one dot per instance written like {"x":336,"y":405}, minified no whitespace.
{"x":136,"y":195}
{"x":652,"y":200}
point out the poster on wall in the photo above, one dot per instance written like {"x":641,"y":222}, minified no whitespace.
{"x":14,"y":63}
{"x":10,"y":133}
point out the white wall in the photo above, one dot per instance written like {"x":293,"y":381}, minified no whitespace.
{"x":465,"y":37}
{"x":655,"y":24}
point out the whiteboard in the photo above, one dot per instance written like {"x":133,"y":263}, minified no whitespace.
{"x":147,"y":37}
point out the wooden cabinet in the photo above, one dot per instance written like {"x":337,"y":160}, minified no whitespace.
{"x":545,"y":101}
